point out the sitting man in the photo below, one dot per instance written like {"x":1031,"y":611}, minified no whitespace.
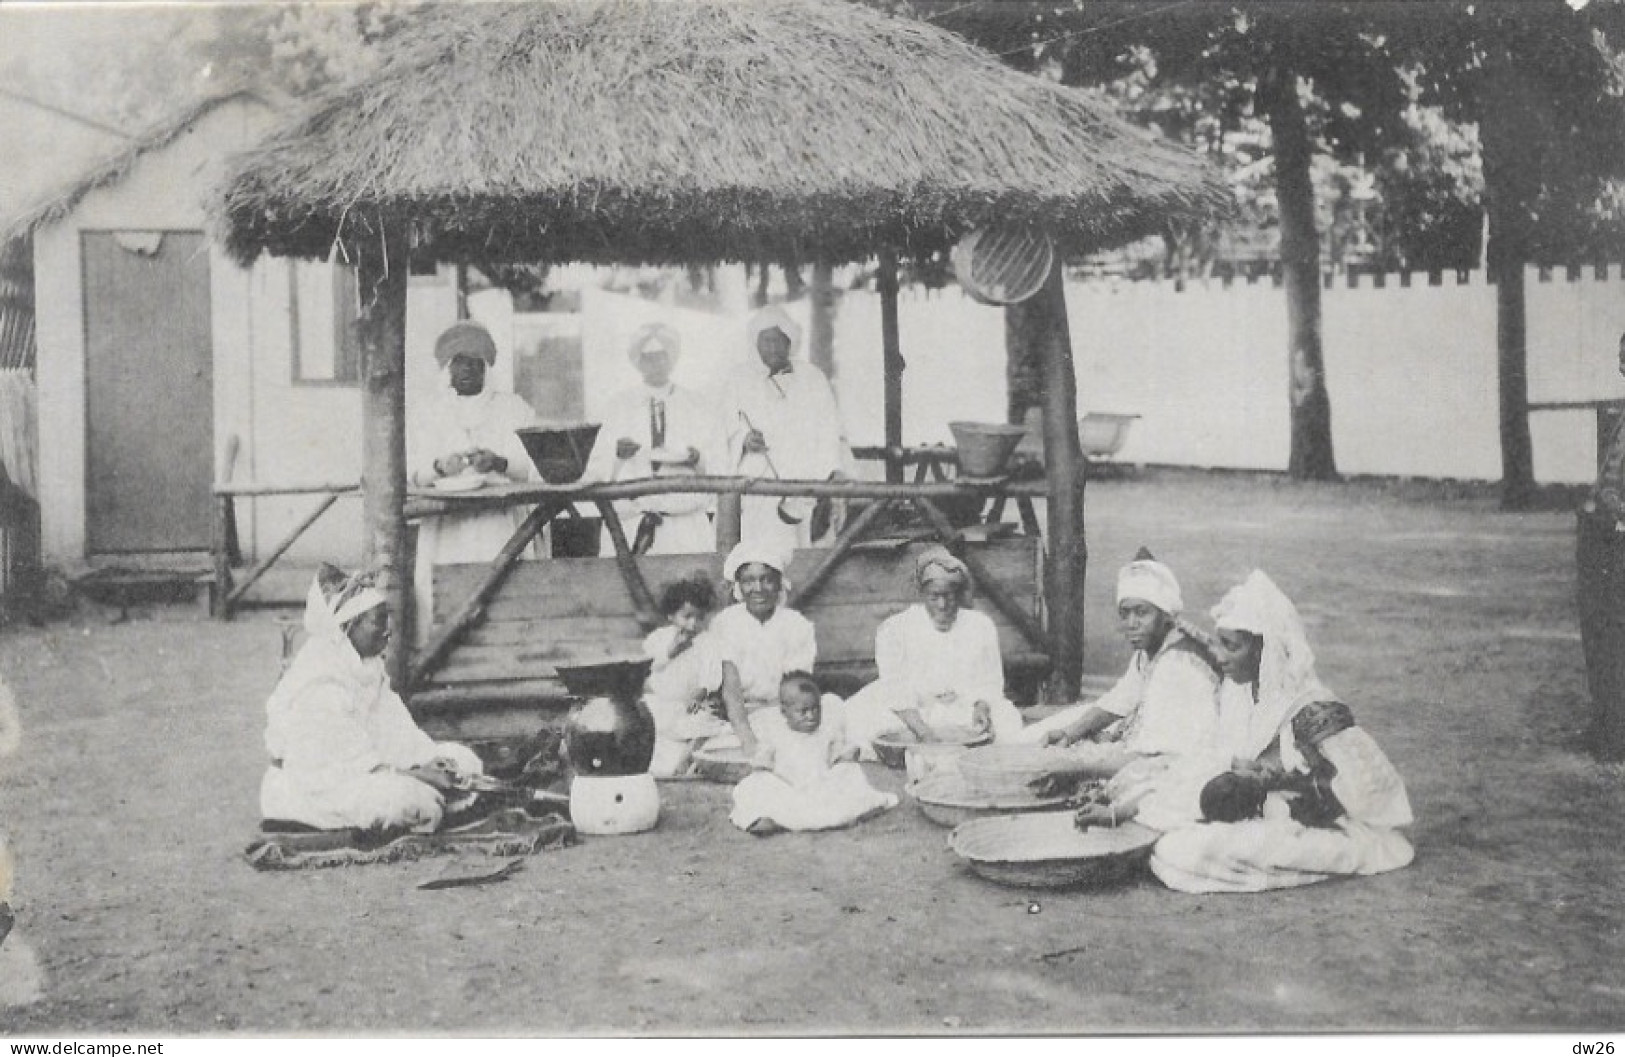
{"x":1163,"y":707}
{"x":345,"y":753}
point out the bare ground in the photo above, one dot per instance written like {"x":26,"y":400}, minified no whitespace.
{"x":1450,"y":627}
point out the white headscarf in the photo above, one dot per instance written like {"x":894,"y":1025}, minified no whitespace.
{"x":1150,"y":581}
{"x":658,"y":335}
{"x":938,"y":562}
{"x":1286,"y":666}
{"x":754,"y":552}
{"x":335,"y":599}
{"x":772,"y":317}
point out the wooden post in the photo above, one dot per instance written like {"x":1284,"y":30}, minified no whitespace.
{"x":381,"y":271}
{"x":223,"y":514}
{"x":729,"y":510}
{"x":892,"y":360}
{"x":1063,"y":471}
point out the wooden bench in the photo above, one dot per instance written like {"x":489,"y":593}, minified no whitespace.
{"x":552,"y":612}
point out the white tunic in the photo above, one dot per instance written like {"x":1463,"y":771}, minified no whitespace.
{"x":690,"y":421}
{"x":941,"y":673}
{"x":337,"y":733}
{"x":806,"y":789}
{"x":454,"y":424}
{"x":763,"y":651}
{"x":797,"y":415}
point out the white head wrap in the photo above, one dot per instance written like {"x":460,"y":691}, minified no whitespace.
{"x":1286,"y":666}
{"x":754,"y":552}
{"x":655,"y":335}
{"x":336,"y":599}
{"x":1150,"y":581}
{"x":939,"y":562}
{"x":773,"y":318}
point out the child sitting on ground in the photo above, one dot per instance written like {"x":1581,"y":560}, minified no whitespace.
{"x":809,"y":778}
{"x":686,"y":680}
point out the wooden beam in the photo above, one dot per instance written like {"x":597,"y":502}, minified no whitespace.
{"x":424,"y":503}
{"x":1063,"y":471}
{"x":381,"y":271}
{"x":278,"y":551}
{"x":473,"y":608}
{"x":221,"y":532}
{"x":251,"y":488}
{"x":642,"y":600}
{"x":843,"y":545}
{"x":986,"y":582}
{"x":892,"y":360}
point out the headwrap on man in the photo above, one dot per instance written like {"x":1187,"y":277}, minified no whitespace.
{"x":937,"y":563}
{"x":465,"y":339}
{"x":773,"y":317}
{"x":1149,"y":580}
{"x":654,"y":336}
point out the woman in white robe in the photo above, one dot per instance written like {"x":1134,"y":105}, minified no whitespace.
{"x":345,"y":752}
{"x":782,"y":422}
{"x":1271,"y":730}
{"x":759,"y":638}
{"x":661,"y":429}
{"x":939,"y":663}
{"x":467,"y":429}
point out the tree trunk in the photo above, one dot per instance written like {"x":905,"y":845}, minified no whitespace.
{"x":821,"y":320}
{"x":1044,"y":320}
{"x":1311,"y":455}
{"x":381,"y":274}
{"x":1509,"y":129}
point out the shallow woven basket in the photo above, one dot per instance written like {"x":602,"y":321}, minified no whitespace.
{"x":892,"y":747}
{"x":944,"y":799}
{"x":1047,"y":850}
{"x":729,"y":766}
{"x":1006,"y":770}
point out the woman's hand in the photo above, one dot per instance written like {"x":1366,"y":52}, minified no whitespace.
{"x":1095,"y":815}
{"x":450,"y":465}
{"x":1057,"y":738}
{"x":982,"y":718}
{"x":485,"y":461}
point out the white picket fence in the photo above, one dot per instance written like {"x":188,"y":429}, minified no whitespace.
{"x":1411,"y":369}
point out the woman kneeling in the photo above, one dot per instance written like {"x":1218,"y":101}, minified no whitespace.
{"x":345,"y":753}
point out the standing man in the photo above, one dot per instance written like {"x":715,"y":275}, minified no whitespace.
{"x":783,"y":423}
{"x":465,"y":431}
{"x":660,"y":429}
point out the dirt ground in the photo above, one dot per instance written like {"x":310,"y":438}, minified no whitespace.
{"x":1449,"y":627}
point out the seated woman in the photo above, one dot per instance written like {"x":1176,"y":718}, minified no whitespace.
{"x":759,"y":639}
{"x":1262,"y":759}
{"x":344,"y":751}
{"x":807,"y":777}
{"x":939,"y":664}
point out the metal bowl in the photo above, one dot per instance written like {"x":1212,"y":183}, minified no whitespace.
{"x":893,"y":746}
{"x":945,"y":799}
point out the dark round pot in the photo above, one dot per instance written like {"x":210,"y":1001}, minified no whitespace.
{"x":611,"y":731}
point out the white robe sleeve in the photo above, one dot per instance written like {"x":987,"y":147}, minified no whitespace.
{"x":1126,"y":694}
{"x":984,"y":664}
{"x":401,"y":742}
{"x":1179,"y":714}
{"x":800,"y":644}
{"x":515,"y":414}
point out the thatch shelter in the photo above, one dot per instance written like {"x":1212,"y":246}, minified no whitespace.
{"x":698,"y":131}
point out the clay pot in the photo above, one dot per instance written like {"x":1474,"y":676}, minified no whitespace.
{"x":611,"y":731}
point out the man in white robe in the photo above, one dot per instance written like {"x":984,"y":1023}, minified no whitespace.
{"x":783,"y":423}
{"x":345,"y":752}
{"x":467,"y":430}
{"x":661,"y":429}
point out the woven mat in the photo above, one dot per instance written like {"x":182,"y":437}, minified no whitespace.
{"x":506,"y":833}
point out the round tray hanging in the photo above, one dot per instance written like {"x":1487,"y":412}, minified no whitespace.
{"x":1002,"y":265}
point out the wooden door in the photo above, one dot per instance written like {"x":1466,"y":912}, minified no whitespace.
{"x":149,"y":391}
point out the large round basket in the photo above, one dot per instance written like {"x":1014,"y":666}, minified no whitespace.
{"x":1002,"y":265}
{"x":1047,"y":850}
{"x":729,"y":765}
{"x":893,"y":746}
{"x":944,"y":799}
{"x":1007,"y":770}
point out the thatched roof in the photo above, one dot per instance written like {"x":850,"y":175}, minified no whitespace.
{"x":685,"y":131}
{"x":110,"y":170}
